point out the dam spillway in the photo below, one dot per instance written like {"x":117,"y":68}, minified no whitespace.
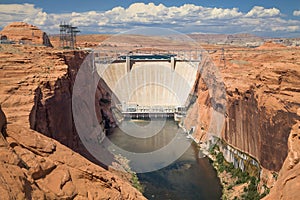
{"x":149,"y":84}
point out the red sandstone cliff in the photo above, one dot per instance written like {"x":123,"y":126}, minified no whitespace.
{"x":262,"y":101}
{"x":52,"y":110}
{"x":288,"y":182}
{"x":34,"y":166}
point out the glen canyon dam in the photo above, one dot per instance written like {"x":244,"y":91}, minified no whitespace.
{"x":145,"y":101}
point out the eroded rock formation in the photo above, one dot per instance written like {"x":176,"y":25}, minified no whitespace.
{"x":52,"y":111}
{"x":33,"y":166}
{"x":252,"y":129}
{"x":288,"y":181}
{"x":24,"y":33}
{"x":262,"y":99}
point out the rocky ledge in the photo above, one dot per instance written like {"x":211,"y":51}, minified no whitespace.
{"x":34,"y":166}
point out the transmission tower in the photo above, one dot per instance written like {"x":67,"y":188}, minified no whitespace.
{"x":67,"y":36}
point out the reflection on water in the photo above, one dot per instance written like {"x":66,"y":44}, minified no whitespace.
{"x":143,"y":145}
{"x":189,"y":177}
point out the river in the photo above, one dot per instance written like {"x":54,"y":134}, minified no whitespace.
{"x":189,"y":177}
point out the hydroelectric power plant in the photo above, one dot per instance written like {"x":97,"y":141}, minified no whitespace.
{"x":157,"y":86}
{"x":150,"y":91}
{"x":149,"y":85}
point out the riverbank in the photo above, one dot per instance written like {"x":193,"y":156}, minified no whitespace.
{"x":236,"y":184}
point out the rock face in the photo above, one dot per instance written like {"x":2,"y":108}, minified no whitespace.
{"x":52,"y":110}
{"x":257,"y":132}
{"x":262,"y":105}
{"x":33,"y":166}
{"x":288,"y":182}
{"x":25,"y":33}
{"x":51,"y":113}
{"x":262,"y":102}
{"x":262,"y":98}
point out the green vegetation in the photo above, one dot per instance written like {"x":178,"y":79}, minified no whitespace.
{"x":250,"y":191}
{"x":136,"y":183}
{"x":124,"y":162}
{"x":267,"y":191}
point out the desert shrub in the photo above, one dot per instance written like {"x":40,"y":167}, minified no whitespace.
{"x":220,"y":158}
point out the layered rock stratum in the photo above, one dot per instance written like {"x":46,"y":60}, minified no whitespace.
{"x":34,"y":166}
{"x":21,"y":32}
{"x":262,"y":105}
{"x":288,"y":182}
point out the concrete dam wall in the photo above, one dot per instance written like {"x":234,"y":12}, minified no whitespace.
{"x":150,"y":83}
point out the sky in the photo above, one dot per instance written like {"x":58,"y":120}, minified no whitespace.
{"x":269,"y":18}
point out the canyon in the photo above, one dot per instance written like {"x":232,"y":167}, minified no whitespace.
{"x":262,"y":114}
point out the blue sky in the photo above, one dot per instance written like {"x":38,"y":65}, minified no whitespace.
{"x":276,"y":18}
{"x":287,"y":6}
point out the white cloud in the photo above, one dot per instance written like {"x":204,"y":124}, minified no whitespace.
{"x":185,"y":18}
{"x":22,"y":12}
{"x":296,"y":13}
{"x":219,"y":13}
{"x":258,"y":11}
{"x":288,"y":28}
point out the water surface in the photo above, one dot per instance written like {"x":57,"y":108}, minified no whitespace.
{"x":189,"y":177}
